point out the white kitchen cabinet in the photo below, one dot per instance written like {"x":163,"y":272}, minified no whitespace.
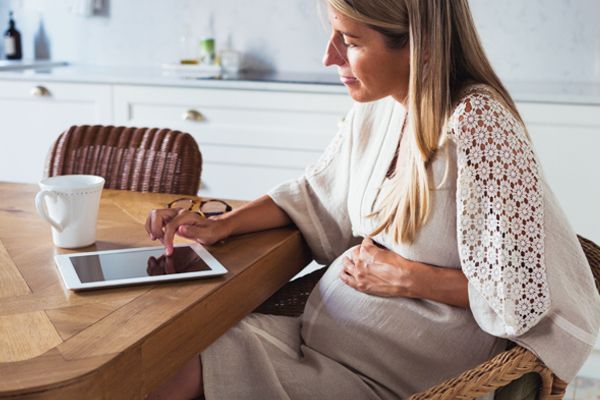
{"x":250,"y":140}
{"x":34,"y":113}
{"x":566,"y":138}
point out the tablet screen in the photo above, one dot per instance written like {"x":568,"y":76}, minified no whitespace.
{"x":136,"y":264}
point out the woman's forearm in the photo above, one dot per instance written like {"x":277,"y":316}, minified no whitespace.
{"x":258,"y":215}
{"x":445,"y":285}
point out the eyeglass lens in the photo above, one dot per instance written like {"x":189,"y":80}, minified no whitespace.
{"x":213,"y":207}
{"x":208,"y":207}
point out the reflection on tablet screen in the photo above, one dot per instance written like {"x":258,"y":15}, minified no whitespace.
{"x":107,"y":267}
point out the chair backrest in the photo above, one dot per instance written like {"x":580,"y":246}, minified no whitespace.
{"x":137,"y":159}
{"x":592,"y":253}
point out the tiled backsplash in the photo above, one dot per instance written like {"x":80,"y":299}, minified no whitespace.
{"x":534,"y":40}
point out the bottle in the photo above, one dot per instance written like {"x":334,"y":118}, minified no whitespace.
{"x":207,"y":51}
{"x":188,"y":53}
{"x":229,"y":59}
{"x":12,"y":40}
{"x":207,"y":43}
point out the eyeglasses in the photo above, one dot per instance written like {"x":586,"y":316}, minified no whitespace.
{"x":206,"y":208}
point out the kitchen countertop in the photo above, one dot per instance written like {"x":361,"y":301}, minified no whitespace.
{"x":546,"y":92}
{"x":155,"y":76}
{"x":9,"y":65}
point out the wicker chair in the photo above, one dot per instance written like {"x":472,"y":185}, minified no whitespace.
{"x":137,"y":159}
{"x":515,"y":374}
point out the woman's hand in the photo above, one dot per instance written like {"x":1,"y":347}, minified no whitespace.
{"x":381,"y":272}
{"x":163,"y":224}
{"x":378,"y":271}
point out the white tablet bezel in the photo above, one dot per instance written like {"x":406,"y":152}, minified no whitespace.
{"x":72,"y":281}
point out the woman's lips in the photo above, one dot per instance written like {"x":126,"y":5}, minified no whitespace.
{"x":348,"y":80}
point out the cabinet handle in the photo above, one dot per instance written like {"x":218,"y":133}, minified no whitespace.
{"x":39,"y":91}
{"x":193,"y":115}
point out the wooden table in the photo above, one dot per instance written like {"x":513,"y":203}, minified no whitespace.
{"x":121,"y":342}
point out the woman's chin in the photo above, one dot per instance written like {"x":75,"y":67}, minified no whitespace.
{"x":361,"y":96}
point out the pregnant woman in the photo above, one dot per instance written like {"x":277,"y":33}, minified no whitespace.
{"x":432,"y":212}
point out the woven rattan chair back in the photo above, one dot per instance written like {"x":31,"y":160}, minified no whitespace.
{"x":592,"y":253}
{"x":137,"y":159}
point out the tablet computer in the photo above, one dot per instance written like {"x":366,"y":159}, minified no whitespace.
{"x":100,"y":269}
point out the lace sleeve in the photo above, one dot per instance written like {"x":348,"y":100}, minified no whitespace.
{"x":500,"y":214}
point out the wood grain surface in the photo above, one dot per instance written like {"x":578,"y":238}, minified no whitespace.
{"x":121,"y":342}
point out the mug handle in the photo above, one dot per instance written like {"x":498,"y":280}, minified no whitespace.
{"x":40,"y":205}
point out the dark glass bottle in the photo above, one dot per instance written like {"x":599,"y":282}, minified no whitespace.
{"x":12,"y":41}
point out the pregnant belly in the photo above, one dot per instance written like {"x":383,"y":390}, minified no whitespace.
{"x":391,"y":339}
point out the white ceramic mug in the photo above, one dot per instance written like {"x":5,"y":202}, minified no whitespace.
{"x":70,"y":204}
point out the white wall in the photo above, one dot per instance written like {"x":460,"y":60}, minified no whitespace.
{"x":541,"y":40}
{"x":532,"y":40}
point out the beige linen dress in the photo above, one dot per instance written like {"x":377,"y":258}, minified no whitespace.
{"x":492,"y":215}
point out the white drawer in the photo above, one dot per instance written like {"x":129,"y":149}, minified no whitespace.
{"x":227,"y":181}
{"x":244,"y":173}
{"x":34,"y":113}
{"x":257,"y":156}
{"x":250,"y":136}
{"x":55,"y":92}
{"x":238,"y":117}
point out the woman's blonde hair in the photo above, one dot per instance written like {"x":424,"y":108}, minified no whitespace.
{"x":446,"y":56}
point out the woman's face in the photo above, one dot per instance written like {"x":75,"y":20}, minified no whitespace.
{"x":368,"y":68}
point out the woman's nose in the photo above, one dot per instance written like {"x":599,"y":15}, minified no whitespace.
{"x":334,"y":54}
